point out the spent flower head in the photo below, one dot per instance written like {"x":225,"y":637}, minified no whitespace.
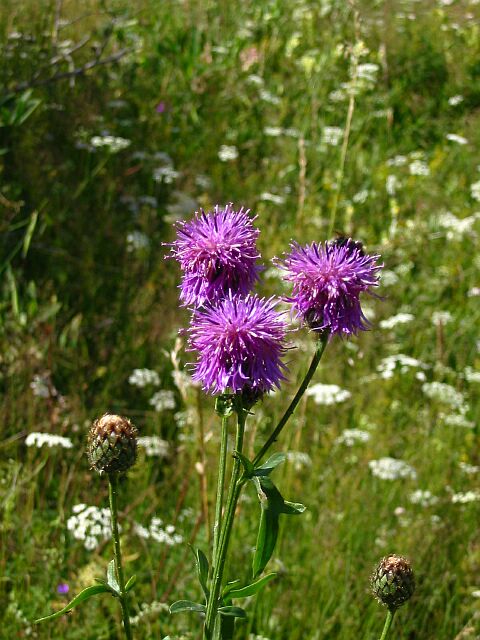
{"x":217,"y":253}
{"x":327,"y":282}
{"x":240,"y":343}
{"x":112,"y":444}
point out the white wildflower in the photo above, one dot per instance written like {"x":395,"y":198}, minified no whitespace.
{"x":273,"y":132}
{"x":423,"y":498}
{"x":441,"y":317}
{"x":399,"y":362}
{"x":453,"y":101}
{"x":419,"y":168}
{"x":113,"y":143}
{"x":136,"y":241}
{"x":453,"y":137}
{"x":339,"y":95}
{"x":473,"y":292}
{"x":444,"y":393}
{"x":144,"y":377}
{"x":327,"y":394}
{"x":350,"y":437}
{"x":361,"y":196}
{"x":267,"y":96}
{"x":398,"y":319}
{"x":272,"y":197}
{"x":154,"y":446}
{"x":155,"y":531}
{"x":475,"y":191}
{"x":90,"y":524}
{"x":368,"y":71}
{"x":464,"y":497}
{"x":389,"y":278}
{"x":254,"y":79}
{"x":299,"y":459}
{"x":165,"y":174}
{"x":391,"y":469}
{"x":36,"y":439}
{"x":397,"y":161}
{"x":469,"y":469}
{"x":392,"y":183}
{"x":456,"y":227}
{"x":471,"y":375}
{"x":40,"y":386}
{"x":163,"y":400}
{"x":457,"y":420}
{"x":227,"y":152}
{"x":332,"y":135}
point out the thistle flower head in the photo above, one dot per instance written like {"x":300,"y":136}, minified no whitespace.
{"x":393,"y":582}
{"x":327,"y":282}
{"x":112,"y":444}
{"x":240,"y":343}
{"x":217,"y":253}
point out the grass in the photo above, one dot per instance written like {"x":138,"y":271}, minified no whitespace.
{"x":81,"y":307}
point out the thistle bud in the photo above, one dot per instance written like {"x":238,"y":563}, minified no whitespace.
{"x":393,"y":582}
{"x":112,"y":444}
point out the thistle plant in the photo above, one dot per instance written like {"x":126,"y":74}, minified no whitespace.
{"x":393,"y":583}
{"x":111,"y":450}
{"x":240,"y":340}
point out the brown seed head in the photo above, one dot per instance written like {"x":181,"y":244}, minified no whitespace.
{"x":112,"y":444}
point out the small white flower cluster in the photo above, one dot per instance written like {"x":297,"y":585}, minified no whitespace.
{"x":464,"y":497}
{"x":457,"y":420}
{"x":397,"y":161}
{"x":154,"y":446}
{"x":391,"y":184}
{"x":441,"y":317}
{"x":144,"y":377}
{"x":299,"y":459}
{"x":454,"y":101}
{"x":137,"y":241}
{"x":398,"y":319}
{"x":40,"y":386}
{"x":155,"y":532}
{"x":163,"y":400}
{"x":350,"y":437}
{"x":399,"y":362}
{"x":37,"y":439}
{"x":271,"y":197}
{"x":368,"y":72}
{"x":227,"y":153}
{"x":391,"y":469}
{"x":456,"y":228}
{"x":327,"y":394}
{"x":166,"y":174}
{"x":389,"y":278}
{"x":332,"y":136}
{"x":89,"y":524}
{"x":113,"y":143}
{"x":454,"y":137}
{"x":475,"y":191}
{"x":423,"y":498}
{"x":471,"y":375}
{"x":149,"y":611}
{"x":469,"y":469}
{"x":444,"y":393}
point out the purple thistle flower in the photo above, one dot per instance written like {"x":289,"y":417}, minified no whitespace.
{"x":217,"y":253}
{"x":327,"y":282}
{"x":240,"y":343}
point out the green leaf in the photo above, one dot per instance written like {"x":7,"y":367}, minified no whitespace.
{"x":251,"y":589}
{"x":187,"y":605}
{"x":229,"y":586}
{"x":267,"y":467}
{"x":89,"y":592}
{"x":246,"y":463}
{"x":130,"y":583}
{"x":202,"y":570}
{"x":29,"y":233}
{"x":272,"y":505}
{"x":234,"y":612}
{"x":112,"y":578}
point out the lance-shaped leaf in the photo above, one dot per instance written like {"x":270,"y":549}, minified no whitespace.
{"x":267,"y":467}
{"x":247,"y":464}
{"x":251,"y":589}
{"x":130,"y":583}
{"x":201,"y":563}
{"x":112,"y":578}
{"x":234,"y":612}
{"x":187,"y":605}
{"x":87,"y":593}
{"x":272,"y":505}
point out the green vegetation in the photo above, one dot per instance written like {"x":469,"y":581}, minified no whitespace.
{"x":118,"y":118}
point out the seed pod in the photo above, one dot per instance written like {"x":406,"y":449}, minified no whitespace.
{"x":393,"y":582}
{"x":112,"y":444}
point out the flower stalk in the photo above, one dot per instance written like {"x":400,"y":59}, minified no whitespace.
{"x":112,"y":494}
{"x":388,"y":624}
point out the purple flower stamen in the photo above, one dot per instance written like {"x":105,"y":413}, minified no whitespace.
{"x":327,"y":282}
{"x":217,"y":253}
{"x":240,"y":343}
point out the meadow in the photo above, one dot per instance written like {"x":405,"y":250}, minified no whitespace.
{"x":324,"y":117}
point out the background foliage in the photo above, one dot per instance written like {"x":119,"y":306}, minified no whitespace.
{"x":118,"y":118}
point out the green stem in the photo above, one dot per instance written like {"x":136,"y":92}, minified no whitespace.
{"x":220,"y":484}
{"x":388,"y":624}
{"x":320,"y":348}
{"x":225,"y":531}
{"x":112,"y":493}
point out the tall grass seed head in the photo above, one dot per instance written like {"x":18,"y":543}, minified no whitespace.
{"x":393,"y":582}
{"x":112,"y":444}
{"x":327,"y":282}
{"x":217,"y":253}
{"x":240,"y":343}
